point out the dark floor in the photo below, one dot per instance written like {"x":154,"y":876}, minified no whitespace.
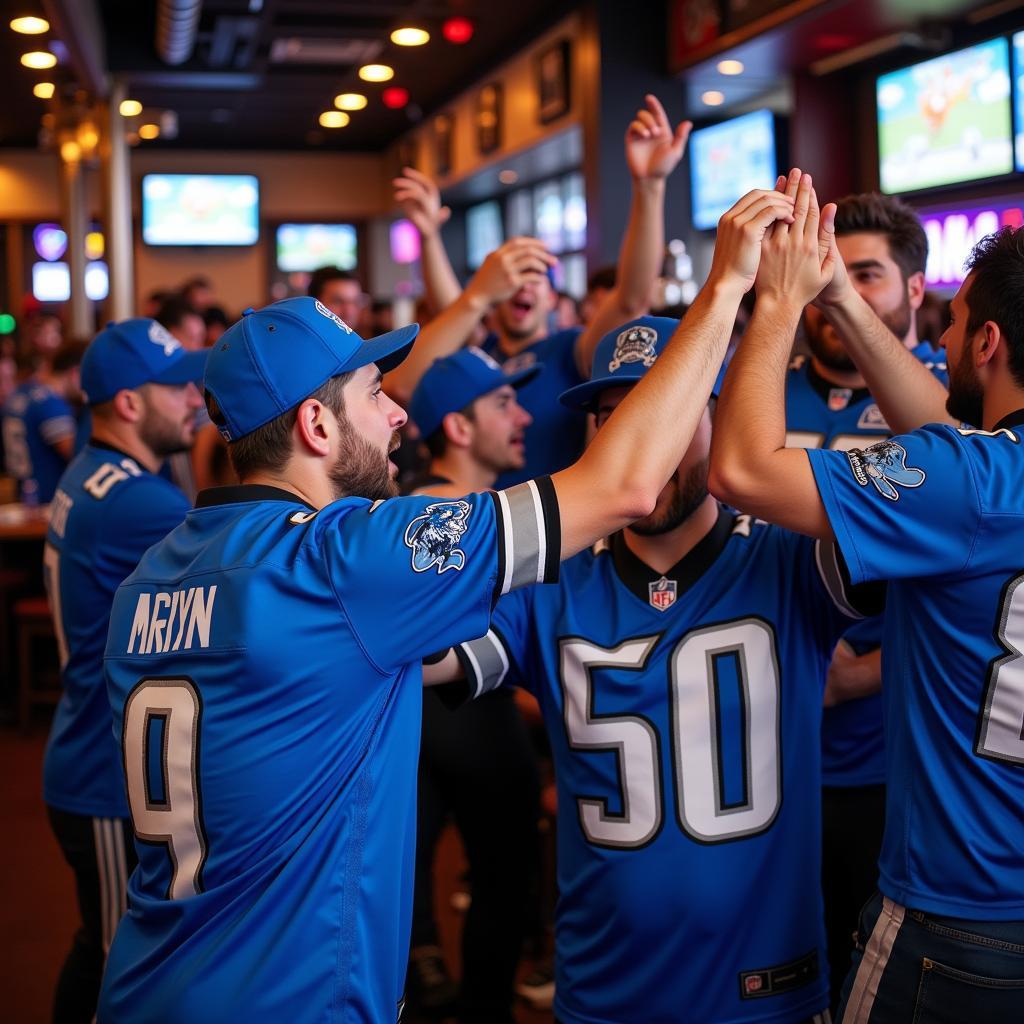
{"x":37,"y":915}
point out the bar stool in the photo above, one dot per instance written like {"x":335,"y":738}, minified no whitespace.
{"x":37,"y":684}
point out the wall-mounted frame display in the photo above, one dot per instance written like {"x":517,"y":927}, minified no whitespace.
{"x":488,"y":118}
{"x":443,"y":127}
{"x":553,"y":89}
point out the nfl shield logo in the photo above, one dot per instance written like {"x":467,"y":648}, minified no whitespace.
{"x":753,"y":983}
{"x":662,"y":594}
{"x":839,"y":398}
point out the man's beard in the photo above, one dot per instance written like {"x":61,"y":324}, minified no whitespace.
{"x":688,"y":495}
{"x":162,"y":436}
{"x":830,"y":351}
{"x":361,"y":470}
{"x":966,"y":396}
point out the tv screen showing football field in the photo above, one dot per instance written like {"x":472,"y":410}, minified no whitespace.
{"x":946,"y":120}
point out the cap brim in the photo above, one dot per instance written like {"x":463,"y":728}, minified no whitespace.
{"x":189,"y":369}
{"x":583,"y":395}
{"x":521,"y":377}
{"x":386,"y":350}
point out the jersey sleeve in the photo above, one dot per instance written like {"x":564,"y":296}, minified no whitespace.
{"x":499,"y":656}
{"x":139,"y":514}
{"x":53,"y":419}
{"x":905,"y":507}
{"x":417,"y":575}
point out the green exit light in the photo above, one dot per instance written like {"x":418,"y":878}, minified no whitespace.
{"x":7,"y":323}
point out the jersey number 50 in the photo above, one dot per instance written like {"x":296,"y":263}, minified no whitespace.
{"x":696,"y":753}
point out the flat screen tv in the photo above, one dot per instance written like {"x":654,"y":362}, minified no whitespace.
{"x":305,"y":247}
{"x":200,"y":209}
{"x":1018,"y":98}
{"x":483,"y":232}
{"x":946,"y":120}
{"x":729,"y":159}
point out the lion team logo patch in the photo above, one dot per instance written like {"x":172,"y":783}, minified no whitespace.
{"x":324,"y":311}
{"x":885,"y":465}
{"x":662,"y":594}
{"x":634,"y":345}
{"x":434,"y":536}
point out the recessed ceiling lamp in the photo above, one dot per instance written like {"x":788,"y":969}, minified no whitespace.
{"x":40,"y":60}
{"x":149,"y":131}
{"x":410,"y":36}
{"x":130,"y":108}
{"x":350,"y":101}
{"x":30,"y":26}
{"x":730,"y":67}
{"x":44,"y":90}
{"x":712,"y":98}
{"x":376,"y":73}
{"x":334,"y":119}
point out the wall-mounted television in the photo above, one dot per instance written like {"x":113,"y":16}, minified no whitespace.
{"x":946,"y":120}
{"x":729,"y":159}
{"x":51,"y":282}
{"x":1018,"y":98}
{"x":305,"y":247}
{"x":200,"y":209}
{"x":483,"y":232}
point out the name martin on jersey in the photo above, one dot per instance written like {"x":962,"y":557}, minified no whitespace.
{"x":171,"y":621}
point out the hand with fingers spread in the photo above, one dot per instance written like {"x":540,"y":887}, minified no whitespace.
{"x":508,"y":268}
{"x":741,"y":231}
{"x":653,"y":149}
{"x":420,"y":200}
{"x":796,"y":260}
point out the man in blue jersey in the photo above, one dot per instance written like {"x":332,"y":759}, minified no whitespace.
{"x":263,"y":661}
{"x":39,"y":426}
{"x":109,"y":506}
{"x":514,"y":284}
{"x":937,"y":513}
{"x":680,"y":666}
{"x":828,"y":405}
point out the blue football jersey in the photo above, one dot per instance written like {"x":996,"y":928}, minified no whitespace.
{"x":683,"y":712}
{"x":821,"y":415}
{"x":263,"y":664}
{"x":106,"y":512}
{"x":34,"y":419}
{"x":939,"y":512}
{"x":555,"y":438}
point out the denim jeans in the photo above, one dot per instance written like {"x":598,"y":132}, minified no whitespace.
{"x":911,"y":967}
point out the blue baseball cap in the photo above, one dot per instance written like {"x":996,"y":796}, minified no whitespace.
{"x":274,"y":358}
{"x":622,"y":357}
{"x":453,"y":382}
{"x":136,"y":352}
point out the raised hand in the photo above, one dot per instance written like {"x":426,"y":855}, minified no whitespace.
{"x":509,"y":267}
{"x":741,"y":232}
{"x":796,"y":258}
{"x":420,"y":200}
{"x":652,"y":149}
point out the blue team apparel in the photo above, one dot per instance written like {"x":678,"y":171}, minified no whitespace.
{"x":134,"y":352}
{"x":453,"y":382}
{"x":683,"y":711}
{"x":276,"y":357}
{"x":263,"y":665}
{"x":820,"y":414}
{"x":106,"y":512}
{"x":555,"y":438}
{"x":939,"y":513}
{"x":35,"y":418}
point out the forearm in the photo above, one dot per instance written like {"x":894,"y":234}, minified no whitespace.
{"x":907,"y":393}
{"x":860,"y":676}
{"x":440,"y":284}
{"x":445,"y":334}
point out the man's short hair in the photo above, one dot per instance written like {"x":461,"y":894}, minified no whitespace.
{"x":873,"y":213}
{"x":996,"y":266}
{"x":268,"y":448}
{"x":437,"y":443}
{"x":173,"y":311}
{"x":603,"y":277}
{"x":323,"y":275}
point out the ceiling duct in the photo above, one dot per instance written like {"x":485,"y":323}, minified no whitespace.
{"x":177,"y":26}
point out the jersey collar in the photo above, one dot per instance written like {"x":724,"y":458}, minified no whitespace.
{"x":825,"y":387}
{"x":638,"y":575}
{"x":1013,"y":419}
{"x":104,"y":446}
{"x":240,"y":493}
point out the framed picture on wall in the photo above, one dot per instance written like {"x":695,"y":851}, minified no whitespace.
{"x":443,"y":125}
{"x":488,"y":118}
{"x":407,"y":152}
{"x":553,"y":81}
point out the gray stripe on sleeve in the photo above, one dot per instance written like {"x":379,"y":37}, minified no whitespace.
{"x":527,"y":551}
{"x":828,"y":568}
{"x":488,"y":661}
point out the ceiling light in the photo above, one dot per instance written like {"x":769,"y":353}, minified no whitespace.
{"x":730,"y":67}
{"x":38,"y":59}
{"x":376,"y":73}
{"x":508,"y":177}
{"x":334,"y":119}
{"x":130,"y":108}
{"x":410,"y":36}
{"x":44,"y":90}
{"x":712,"y":98}
{"x":149,"y":131}
{"x":30,"y":26}
{"x":395,"y":97}
{"x":70,"y":151}
{"x":457,"y":30}
{"x":350,"y":101}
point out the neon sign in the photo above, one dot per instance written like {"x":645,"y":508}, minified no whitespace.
{"x":953,"y":233}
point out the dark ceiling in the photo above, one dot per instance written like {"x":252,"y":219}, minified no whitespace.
{"x":263,"y":70}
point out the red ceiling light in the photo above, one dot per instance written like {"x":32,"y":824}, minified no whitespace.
{"x":395,"y":97}
{"x":457,"y":30}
